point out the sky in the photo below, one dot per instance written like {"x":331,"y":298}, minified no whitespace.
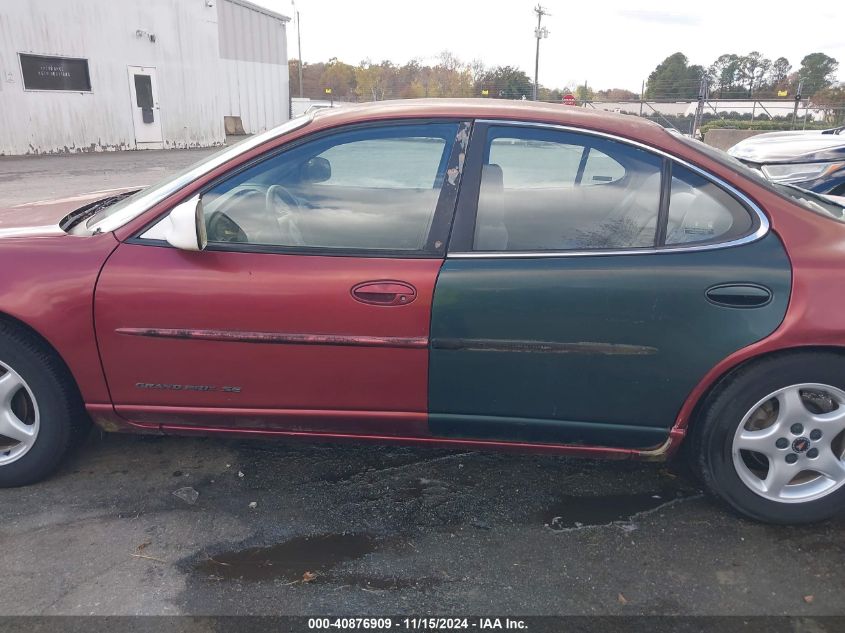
{"x":608,"y":43}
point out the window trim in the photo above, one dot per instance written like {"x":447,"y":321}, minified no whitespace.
{"x":438,"y":236}
{"x":460,"y":246}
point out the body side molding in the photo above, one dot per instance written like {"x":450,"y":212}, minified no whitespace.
{"x":278,"y":338}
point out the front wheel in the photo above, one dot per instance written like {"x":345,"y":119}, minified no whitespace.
{"x":40,"y":411}
{"x":771,"y":442}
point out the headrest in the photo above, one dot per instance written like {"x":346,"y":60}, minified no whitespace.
{"x":491,"y":175}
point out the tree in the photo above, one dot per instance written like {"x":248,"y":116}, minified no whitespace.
{"x":779,"y":73}
{"x":831,"y":100}
{"x":674,"y":78}
{"x":752,"y":68}
{"x":507,"y":82}
{"x":616,"y":94}
{"x":373,"y":81}
{"x":584,"y":93}
{"x":450,"y":77}
{"x":339,"y":77}
{"x":817,"y":70}
{"x":477,"y":70}
{"x":723,"y":73}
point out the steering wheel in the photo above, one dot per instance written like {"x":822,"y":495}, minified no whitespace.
{"x":283,"y":205}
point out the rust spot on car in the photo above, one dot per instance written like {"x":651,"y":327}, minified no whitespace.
{"x":106,"y":424}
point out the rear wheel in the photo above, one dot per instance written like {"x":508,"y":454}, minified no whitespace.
{"x":40,"y":411}
{"x":771,"y":442}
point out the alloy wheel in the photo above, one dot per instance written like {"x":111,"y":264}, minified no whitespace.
{"x":790,"y":446}
{"x":19,"y":417}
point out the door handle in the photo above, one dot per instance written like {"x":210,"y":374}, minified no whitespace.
{"x":739,"y":295}
{"x":384,"y":293}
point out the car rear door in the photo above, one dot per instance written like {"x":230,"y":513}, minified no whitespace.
{"x":310,"y":308}
{"x":590,"y":284}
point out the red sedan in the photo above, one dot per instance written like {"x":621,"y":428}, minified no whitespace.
{"x":454,"y":273}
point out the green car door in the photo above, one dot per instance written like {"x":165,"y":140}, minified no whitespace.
{"x":590,"y":285}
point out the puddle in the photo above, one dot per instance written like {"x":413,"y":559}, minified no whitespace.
{"x":575,"y":512}
{"x":289,"y":560}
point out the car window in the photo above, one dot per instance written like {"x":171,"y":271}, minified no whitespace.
{"x":365,"y":189}
{"x":559,"y":167}
{"x":554,"y":190}
{"x":373,"y":163}
{"x":115,"y":215}
{"x":601,"y":169}
{"x":700,"y":211}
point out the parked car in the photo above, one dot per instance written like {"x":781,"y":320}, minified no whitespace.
{"x":811,"y":160}
{"x":479,"y":273}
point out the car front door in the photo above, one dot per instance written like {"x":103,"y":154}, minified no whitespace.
{"x":590,"y":288}
{"x":310,"y":308}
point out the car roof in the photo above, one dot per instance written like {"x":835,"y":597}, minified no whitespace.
{"x":504,"y":109}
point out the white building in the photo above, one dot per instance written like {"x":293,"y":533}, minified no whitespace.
{"x":94,"y":75}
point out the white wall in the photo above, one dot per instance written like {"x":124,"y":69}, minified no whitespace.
{"x":185,"y":55}
{"x":253,"y":51}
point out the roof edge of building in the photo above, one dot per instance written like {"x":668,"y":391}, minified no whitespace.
{"x":259,"y":9}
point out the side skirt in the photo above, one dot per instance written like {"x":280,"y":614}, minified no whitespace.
{"x":106,"y":418}
{"x":534,"y":430}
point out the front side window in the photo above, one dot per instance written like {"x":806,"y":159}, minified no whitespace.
{"x":372,"y":189}
{"x":551,"y":190}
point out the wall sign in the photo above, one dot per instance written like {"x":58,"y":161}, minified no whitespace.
{"x":55,"y":73}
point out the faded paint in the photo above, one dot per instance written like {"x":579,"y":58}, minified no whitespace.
{"x":179,"y":39}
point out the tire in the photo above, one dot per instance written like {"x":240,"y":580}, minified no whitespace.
{"x":789,"y":385}
{"x":43,"y":397}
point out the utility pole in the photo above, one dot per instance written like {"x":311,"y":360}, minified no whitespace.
{"x":642,"y":97}
{"x":699,"y":111}
{"x":298,"y":46}
{"x":797,"y":101}
{"x":539,"y":33}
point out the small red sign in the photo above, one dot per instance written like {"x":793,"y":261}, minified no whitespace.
{"x":569,"y":99}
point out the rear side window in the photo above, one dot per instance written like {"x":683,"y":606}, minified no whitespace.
{"x":700,"y":211}
{"x":551,"y":190}
{"x":807,"y":199}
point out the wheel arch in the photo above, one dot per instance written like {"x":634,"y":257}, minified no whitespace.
{"x":22,"y":326}
{"x":725,"y":377}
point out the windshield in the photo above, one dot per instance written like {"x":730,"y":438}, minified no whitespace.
{"x":116,"y":215}
{"x":807,"y":199}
